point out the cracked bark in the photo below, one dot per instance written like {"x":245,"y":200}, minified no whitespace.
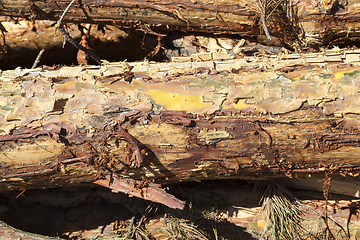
{"x":247,"y":124}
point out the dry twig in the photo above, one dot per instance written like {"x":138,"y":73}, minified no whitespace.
{"x":71,"y":40}
{"x":37,"y":60}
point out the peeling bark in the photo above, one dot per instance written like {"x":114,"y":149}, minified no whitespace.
{"x":177,"y":122}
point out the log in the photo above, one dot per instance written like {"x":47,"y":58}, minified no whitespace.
{"x":290,"y":24}
{"x":131,"y":127}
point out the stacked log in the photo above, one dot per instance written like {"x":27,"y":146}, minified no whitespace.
{"x":145,"y":123}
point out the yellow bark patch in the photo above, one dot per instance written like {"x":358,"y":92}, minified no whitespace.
{"x":175,"y":101}
{"x":339,"y":75}
{"x":298,"y":77}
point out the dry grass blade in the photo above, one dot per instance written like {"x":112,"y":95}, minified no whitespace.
{"x":182,"y":229}
{"x":282,"y":212}
{"x":265,"y":8}
{"x":136,"y":233}
{"x":321,"y":229}
{"x":141,"y":233}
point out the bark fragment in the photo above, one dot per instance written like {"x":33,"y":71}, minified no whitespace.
{"x":141,"y":189}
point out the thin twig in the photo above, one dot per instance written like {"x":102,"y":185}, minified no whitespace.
{"x":266,"y":31}
{"x":5,"y":153}
{"x":263,"y":18}
{"x":127,"y":235}
{"x":322,"y":217}
{"x":64,"y":13}
{"x":71,"y":40}
{"x":37,"y":60}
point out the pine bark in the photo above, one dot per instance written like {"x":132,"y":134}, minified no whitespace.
{"x":132,"y":127}
{"x":304,"y":23}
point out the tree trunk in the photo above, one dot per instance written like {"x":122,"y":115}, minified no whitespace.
{"x":179,"y":121}
{"x":304,"y":23}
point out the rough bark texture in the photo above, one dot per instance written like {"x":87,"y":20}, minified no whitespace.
{"x":300,"y":23}
{"x":132,"y":124}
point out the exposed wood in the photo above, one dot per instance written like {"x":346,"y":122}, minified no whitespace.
{"x":300,"y":23}
{"x":184,"y":121}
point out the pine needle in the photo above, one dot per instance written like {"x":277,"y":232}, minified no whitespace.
{"x":283,"y":215}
